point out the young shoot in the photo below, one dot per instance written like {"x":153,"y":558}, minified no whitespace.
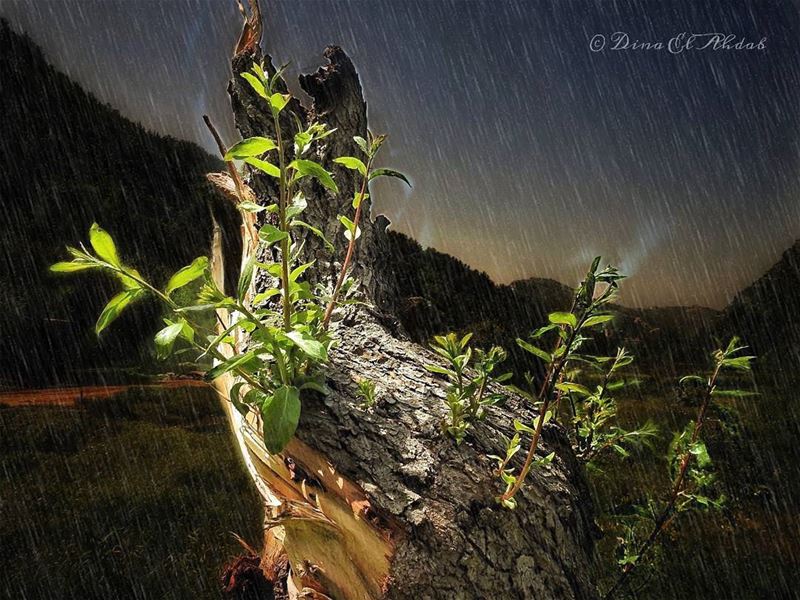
{"x":690,"y":468}
{"x":366,"y":391}
{"x":352,"y":228}
{"x":467,"y":396}
{"x":569,"y":329}
{"x":593,"y":412}
{"x":286,"y":326}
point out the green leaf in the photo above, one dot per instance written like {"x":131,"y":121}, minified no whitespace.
{"x":358,"y":198}
{"x":297,"y":271}
{"x":259,"y":70}
{"x":628,"y":560}
{"x":278,"y":102}
{"x":699,"y":450}
{"x":545,"y":460}
{"x":573,"y":387}
{"x":114,"y":308}
{"x":352,"y":163}
{"x":165,"y":339}
{"x":216,"y":341}
{"x":273,"y":269}
{"x":597,"y":320}
{"x":254,"y":397}
{"x":233,"y":394}
{"x":437,"y":369}
{"x":348,"y":224}
{"x":349,"y":227}
{"x":534,"y":350}
{"x":264,"y":166}
{"x":376,"y":141}
{"x":520,"y":426}
{"x":702,"y":500}
{"x":256,"y":84}
{"x":73,"y":266}
{"x":251,"y":207}
{"x":563,"y":318}
{"x":694,"y":378}
{"x":308,"y":168}
{"x":246,"y":277}
{"x":271,"y":234}
{"x":298,"y":205}
{"x":187,"y":274}
{"x":361,"y":143}
{"x":317,"y":232}
{"x":129,"y":278}
{"x":278,"y":74}
{"x":389,"y":173}
{"x":187,"y":332}
{"x":542,"y":330}
{"x":302,"y":142}
{"x":281,"y":413}
{"x":252,"y":146}
{"x":103,"y":245}
{"x":260,"y":298}
{"x":308,"y":345}
{"x":741,"y":363}
{"x":509,"y":503}
{"x":233,"y":362}
{"x":620,"y":450}
{"x":733,"y":346}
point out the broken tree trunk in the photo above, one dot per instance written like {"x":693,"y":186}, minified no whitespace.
{"x":372,"y":503}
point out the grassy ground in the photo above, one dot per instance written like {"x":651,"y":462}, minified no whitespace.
{"x":136,"y":496}
{"x":752,"y":550}
{"x":129,"y":497}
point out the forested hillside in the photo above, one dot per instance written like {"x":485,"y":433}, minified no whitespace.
{"x":69,"y":160}
{"x":766,"y":312}
{"x":438,"y":293}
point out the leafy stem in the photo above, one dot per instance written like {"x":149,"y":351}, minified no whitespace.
{"x":282,"y":201}
{"x":544,"y":397}
{"x":287,"y":346}
{"x":569,"y":327}
{"x":466,"y":396}
{"x":689,"y":450}
{"x":351,"y":246}
{"x":370,"y":148}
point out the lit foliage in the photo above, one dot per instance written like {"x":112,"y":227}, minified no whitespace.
{"x":691,"y":472}
{"x":468,"y":395}
{"x":289,"y":342}
{"x":286,"y":326}
{"x":367,"y":393}
{"x":592,"y":411}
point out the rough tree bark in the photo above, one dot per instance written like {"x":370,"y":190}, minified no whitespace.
{"x":378,"y":503}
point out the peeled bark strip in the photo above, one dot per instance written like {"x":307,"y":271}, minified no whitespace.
{"x":372,"y":503}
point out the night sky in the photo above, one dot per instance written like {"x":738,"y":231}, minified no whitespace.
{"x":529,"y":153}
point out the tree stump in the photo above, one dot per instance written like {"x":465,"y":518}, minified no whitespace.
{"x":373,"y":503}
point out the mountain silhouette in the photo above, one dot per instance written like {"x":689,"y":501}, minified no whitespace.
{"x":435,"y":293}
{"x":68,"y":161}
{"x":766,"y":313}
